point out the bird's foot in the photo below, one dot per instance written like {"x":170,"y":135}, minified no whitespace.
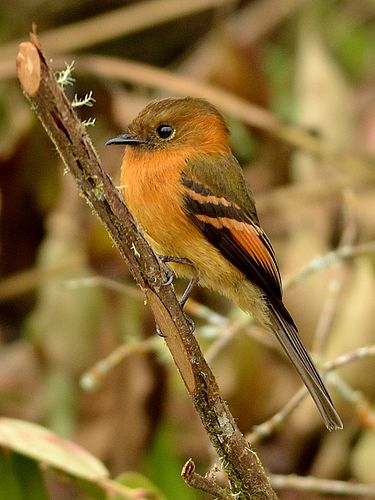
{"x":178,"y":260}
{"x":170,"y":276}
{"x":158,"y":331}
{"x":191,"y":323}
{"x":188,"y":319}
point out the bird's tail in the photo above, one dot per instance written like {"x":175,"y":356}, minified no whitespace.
{"x":287,"y":334}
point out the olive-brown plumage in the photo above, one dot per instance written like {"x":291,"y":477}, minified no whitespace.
{"x":187,"y":191}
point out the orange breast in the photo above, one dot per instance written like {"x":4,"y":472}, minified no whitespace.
{"x":152,"y":190}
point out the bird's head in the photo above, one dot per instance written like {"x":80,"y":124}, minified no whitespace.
{"x":173,"y":123}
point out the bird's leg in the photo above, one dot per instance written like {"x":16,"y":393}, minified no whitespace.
{"x":182,"y":302}
{"x":188,"y":290}
{"x":184,"y":298}
{"x":178,"y":260}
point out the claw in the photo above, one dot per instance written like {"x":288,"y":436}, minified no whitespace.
{"x":170,"y":276}
{"x":177,"y":260}
{"x":158,"y":332}
{"x":191,"y":323}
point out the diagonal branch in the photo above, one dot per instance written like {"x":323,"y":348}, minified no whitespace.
{"x":244,"y":470}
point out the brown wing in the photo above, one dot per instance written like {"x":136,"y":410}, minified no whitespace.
{"x":233,"y":232}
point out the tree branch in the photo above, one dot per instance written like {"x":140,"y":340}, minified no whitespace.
{"x":245,"y":472}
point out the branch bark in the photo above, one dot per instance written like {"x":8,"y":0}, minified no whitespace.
{"x":245,"y":472}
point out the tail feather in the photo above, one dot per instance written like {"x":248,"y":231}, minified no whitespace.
{"x":287,"y":334}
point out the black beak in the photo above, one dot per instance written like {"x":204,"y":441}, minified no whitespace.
{"x":125,"y":139}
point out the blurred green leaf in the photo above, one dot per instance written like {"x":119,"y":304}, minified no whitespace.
{"x":355,"y":48}
{"x":91,"y":490}
{"x":241,"y":140}
{"x":10,"y":487}
{"x":136,"y":480}
{"x":21,"y":478}
{"x":164,"y":466}
{"x":278,"y":67}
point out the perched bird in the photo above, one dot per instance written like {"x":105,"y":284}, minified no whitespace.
{"x":185,"y":188}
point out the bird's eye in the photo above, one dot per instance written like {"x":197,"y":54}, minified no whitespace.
{"x":165,"y":131}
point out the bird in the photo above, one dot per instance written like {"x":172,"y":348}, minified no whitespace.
{"x":187,"y":191}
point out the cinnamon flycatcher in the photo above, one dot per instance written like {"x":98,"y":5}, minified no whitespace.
{"x":183,"y":185}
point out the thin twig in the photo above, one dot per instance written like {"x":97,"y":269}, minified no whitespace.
{"x":323,"y":261}
{"x":344,"y":359}
{"x":26,"y":281}
{"x":192,"y":306}
{"x":204,"y":483}
{"x":319,"y":485}
{"x":107,"y":283}
{"x":269,"y":426}
{"x":93,"y":377}
{"x":362,"y":406}
{"x":337,"y":279}
{"x":226,"y":336}
{"x":244,"y":470}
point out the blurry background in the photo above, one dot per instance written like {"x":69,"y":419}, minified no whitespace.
{"x":66,"y":298}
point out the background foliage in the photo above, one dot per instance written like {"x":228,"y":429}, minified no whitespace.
{"x":66,"y":300}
